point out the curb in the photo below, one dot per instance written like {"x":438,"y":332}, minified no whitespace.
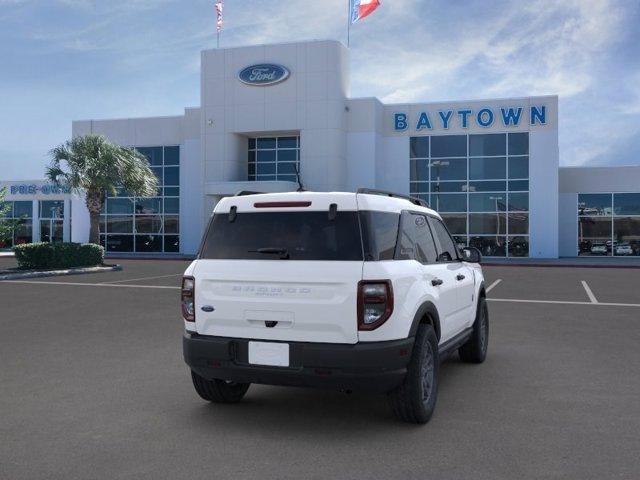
{"x":115,"y":256}
{"x":557,"y":265}
{"x":56,"y":273}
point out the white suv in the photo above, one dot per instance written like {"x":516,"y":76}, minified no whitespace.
{"x":351,"y":291}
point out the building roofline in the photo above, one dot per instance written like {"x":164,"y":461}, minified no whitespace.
{"x":128,"y":118}
{"x":249,"y":45}
{"x":503,"y":99}
{"x":597,"y":166}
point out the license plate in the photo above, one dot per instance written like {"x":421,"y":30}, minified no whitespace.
{"x":269,"y":353}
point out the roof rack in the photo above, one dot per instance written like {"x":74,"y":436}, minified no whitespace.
{"x":243,"y":193}
{"x":384,"y":193}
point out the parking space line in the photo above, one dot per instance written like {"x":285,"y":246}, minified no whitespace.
{"x":563,"y":302}
{"x":590,"y":294}
{"x":39,"y":282}
{"x":142,"y":278}
{"x":492,"y":286}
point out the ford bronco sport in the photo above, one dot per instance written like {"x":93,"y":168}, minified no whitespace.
{"x":352,"y":291}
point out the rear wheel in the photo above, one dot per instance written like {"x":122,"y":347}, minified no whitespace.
{"x":415,"y":399}
{"x":219,"y":391}
{"x":475,"y":349}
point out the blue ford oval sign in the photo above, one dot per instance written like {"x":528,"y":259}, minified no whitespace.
{"x":263,"y":74}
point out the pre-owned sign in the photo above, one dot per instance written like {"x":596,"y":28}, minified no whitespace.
{"x":32,"y":189}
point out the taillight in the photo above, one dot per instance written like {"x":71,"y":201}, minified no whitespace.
{"x":188,"y":299}
{"x":375,"y":303}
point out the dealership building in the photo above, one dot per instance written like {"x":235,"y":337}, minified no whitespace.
{"x":273,"y":115}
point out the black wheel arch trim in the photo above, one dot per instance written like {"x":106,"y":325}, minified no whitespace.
{"x":482,"y":292}
{"x":426,"y":309}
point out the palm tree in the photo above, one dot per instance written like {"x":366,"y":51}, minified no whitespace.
{"x":94,"y":166}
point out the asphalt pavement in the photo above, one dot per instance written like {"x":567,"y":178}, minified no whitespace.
{"x":93,"y":386}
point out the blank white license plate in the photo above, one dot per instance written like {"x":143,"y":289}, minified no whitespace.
{"x":269,"y":353}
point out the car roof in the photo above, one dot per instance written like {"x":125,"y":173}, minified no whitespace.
{"x":318,"y":201}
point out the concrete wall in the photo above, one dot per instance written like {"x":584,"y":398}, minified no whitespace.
{"x":543,"y":193}
{"x":568,"y":225}
{"x":599,"y":179}
{"x":311,"y":103}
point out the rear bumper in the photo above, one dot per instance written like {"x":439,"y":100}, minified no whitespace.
{"x":371,"y":366}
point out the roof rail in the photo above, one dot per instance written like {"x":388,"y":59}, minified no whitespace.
{"x":384,"y":193}
{"x":243,"y":193}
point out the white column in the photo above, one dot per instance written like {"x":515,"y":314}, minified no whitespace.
{"x":66,"y":222}
{"x":35,"y":230}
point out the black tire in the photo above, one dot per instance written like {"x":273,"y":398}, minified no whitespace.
{"x":219,"y":391}
{"x":415,"y":400}
{"x":475,"y":349}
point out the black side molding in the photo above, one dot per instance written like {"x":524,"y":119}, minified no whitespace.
{"x":454,"y":343}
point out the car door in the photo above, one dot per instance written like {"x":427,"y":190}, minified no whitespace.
{"x":460,"y":274}
{"x":417,"y":243}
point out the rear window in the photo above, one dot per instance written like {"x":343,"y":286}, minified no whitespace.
{"x":284,"y":235}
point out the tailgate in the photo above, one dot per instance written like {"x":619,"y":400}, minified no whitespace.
{"x":303,"y":301}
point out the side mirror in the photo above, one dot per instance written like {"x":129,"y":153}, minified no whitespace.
{"x":444,"y":257}
{"x":471,"y":255}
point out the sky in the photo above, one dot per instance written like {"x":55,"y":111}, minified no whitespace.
{"x":64,"y":60}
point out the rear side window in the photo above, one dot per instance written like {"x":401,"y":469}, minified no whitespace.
{"x":415,"y":241}
{"x":283,"y":235}
{"x":379,"y":234}
{"x":446,"y":247}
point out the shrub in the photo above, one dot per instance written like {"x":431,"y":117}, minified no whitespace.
{"x":58,"y":255}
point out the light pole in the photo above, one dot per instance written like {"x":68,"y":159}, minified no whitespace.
{"x":438,"y":164}
{"x":497,"y":217}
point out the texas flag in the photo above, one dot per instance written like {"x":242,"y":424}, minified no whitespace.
{"x":362,"y":8}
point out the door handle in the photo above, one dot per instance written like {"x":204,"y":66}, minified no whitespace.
{"x":460,"y":277}
{"x":436,"y":281}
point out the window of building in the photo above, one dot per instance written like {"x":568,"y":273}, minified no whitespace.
{"x":480,"y":186}
{"x":146,"y":224}
{"x":273,"y":158}
{"x":609,"y":224}
{"x":20,"y":216}
{"x":51,"y":220}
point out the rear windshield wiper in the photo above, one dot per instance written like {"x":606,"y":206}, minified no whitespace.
{"x":283,"y":252}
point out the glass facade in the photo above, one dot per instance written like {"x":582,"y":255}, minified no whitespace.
{"x":51,"y":213}
{"x":20,"y":214}
{"x":273,"y":158}
{"x":146,"y":224}
{"x":480,"y":186}
{"x":609,"y":224}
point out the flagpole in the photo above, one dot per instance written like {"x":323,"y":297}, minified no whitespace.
{"x":219,"y":7}
{"x":348,"y":22}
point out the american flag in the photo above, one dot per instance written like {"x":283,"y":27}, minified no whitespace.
{"x":219,"y":6}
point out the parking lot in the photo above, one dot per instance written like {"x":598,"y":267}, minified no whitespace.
{"x":92,"y":385}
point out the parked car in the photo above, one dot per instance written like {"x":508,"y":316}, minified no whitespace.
{"x":350,"y":291}
{"x":624,"y":249}
{"x":599,"y":249}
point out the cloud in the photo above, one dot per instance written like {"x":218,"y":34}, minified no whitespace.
{"x":142,"y":57}
{"x":538,"y":48}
